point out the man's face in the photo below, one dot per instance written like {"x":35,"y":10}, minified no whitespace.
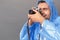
{"x":45,"y":10}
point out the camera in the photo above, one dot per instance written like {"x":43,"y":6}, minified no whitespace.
{"x":35,"y":8}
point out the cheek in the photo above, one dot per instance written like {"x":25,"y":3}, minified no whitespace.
{"x":47,"y":13}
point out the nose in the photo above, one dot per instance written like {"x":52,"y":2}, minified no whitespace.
{"x":43,"y":13}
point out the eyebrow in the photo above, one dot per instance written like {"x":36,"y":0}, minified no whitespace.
{"x":43,"y":8}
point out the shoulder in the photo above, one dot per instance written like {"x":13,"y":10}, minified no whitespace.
{"x":57,"y":19}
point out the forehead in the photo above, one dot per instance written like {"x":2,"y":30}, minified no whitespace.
{"x":43,"y":5}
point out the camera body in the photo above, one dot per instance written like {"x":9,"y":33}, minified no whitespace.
{"x":35,"y":8}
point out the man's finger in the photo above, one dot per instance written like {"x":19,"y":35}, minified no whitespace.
{"x":34,"y":10}
{"x":29,"y":16}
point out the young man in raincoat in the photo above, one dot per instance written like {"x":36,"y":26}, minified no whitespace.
{"x":42,"y":27}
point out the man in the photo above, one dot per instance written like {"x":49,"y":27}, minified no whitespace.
{"x":42,"y":27}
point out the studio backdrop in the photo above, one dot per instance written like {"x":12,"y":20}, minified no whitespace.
{"x":13,"y":14}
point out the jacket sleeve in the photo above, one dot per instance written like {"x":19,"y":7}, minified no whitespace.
{"x":23,"y":33}
{"x":52,"y":28}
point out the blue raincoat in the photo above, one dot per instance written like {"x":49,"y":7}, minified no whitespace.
{"x":49,"y":30}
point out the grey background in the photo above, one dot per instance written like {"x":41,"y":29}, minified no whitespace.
{"x":13,"y":14}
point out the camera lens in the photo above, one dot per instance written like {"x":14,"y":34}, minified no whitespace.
{"x":31,"y":12}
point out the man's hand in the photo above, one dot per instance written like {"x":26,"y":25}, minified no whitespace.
{"x":30,"y":22}
{"x":37,"y":17}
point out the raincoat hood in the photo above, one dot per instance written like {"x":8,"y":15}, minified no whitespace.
{"x":54,"y":12}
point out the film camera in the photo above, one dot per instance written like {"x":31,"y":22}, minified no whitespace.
{"x":35,"y":8}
